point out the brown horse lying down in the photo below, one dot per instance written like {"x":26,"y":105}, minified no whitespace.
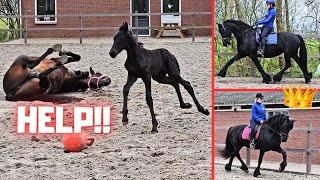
{"x":32,"y":77}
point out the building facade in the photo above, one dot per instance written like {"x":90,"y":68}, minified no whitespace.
{"x":69,"y":11}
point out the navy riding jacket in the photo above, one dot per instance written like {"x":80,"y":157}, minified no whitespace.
{"x":258,"y":113}
{"x":269,"y":19}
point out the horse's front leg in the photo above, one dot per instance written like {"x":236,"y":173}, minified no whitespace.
{"x":266,"y":77}
{"x":223,"y":71}
{"x":257,"y":170}
{"x":147,"y":82}
{"x":130,"y":81}
{"x":283,"y":165}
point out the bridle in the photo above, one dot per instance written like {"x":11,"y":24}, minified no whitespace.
{"x":95,"y":77}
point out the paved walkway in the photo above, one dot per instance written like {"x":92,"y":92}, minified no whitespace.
{"x":292,"y":167}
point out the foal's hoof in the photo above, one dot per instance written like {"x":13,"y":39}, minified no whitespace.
{"x":186,"y":106}
{"x":57,"y":47}
{"x":154,"y":131}
{"x":125,"y":123}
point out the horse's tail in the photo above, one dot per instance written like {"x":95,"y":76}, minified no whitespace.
{"x":226,"y":152}
{"x":303,"y":49}
{"x":303,"y":52}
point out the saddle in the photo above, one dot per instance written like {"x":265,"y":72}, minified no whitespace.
{"x":246,"y":132}
{"x":271,"y":39}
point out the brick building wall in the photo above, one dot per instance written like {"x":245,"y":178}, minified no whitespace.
{"x":107,"y":7}
{"x":297,"y":139}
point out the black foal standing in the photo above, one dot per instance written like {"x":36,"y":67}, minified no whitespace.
{"x":158,"y":64}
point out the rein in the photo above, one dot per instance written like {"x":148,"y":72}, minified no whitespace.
{"x":97,"y":84}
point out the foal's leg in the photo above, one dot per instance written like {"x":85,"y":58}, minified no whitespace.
{"x":257,"y":170}
{"x":278,"y":77}
{"x":189,"y":88}
{"x":167,"y":80}
{"x":266,"y":77}
{"x":147,"y":82}
{"x":130,"y":81}
{"x":223,"y":71}
{"x":284,"y":156}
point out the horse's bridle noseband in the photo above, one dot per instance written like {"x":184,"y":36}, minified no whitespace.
{"x":94,"y":77}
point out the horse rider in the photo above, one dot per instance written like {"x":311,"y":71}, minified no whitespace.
{"x":258,"y":116}
{"x":267,"y":25}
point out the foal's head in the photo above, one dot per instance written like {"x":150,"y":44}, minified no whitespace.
{"x":122,"y":40}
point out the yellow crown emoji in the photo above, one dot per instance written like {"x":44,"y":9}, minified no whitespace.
{"x":298,"y":97}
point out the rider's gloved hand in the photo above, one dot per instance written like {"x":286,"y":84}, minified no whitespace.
{"x":261,"y":122}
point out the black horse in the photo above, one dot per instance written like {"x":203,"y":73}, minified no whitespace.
{"x":158,"y":64}
{"x":272,"y":133}
{"x":287,"y":43}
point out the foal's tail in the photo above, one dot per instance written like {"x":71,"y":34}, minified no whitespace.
{"x":226,"y":152}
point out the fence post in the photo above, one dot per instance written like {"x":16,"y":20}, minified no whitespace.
{"x":81,"y":35}
{"x":248,"y":157}
{"x":26,"y":31}
{"x":136,"y":24}
{"x":308,"y":160}
{"x":194,"y":30}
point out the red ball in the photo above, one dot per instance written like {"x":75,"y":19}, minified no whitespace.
{"x":74,"y":142}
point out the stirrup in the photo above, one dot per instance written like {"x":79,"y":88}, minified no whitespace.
{"x":252,"y":145}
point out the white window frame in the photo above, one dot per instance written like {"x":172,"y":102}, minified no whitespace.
{"x":162,"y":16}
{"x":149,"y":18}
{"x":45,"y":22}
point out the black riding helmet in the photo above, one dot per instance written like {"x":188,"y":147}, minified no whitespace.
{"x":259,"y":95}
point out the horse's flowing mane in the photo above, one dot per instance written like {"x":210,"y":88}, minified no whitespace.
{"x":244,"y":26}
{"x":276,"y":121}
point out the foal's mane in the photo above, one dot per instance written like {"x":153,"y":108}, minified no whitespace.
{"x":243,"y":26}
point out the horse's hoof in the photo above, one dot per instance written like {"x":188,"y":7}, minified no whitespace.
{"x":125,"y":123}
{"x":186,"y":106}
{"x":266,"y":81}
{"x":221,"y":74}
{"x":245,"y":169}
{"x":57,"y":47}
{"x":227,"y":167}
{"x":282,"y":167}
{"x":206,"y":112}
{"x":256,"y":173}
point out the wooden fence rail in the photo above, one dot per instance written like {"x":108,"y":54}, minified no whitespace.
{"x":308,"y":150}
{"x":81,"y":28}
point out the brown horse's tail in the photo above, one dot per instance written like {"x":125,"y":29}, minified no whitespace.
{"x":227,"y":151}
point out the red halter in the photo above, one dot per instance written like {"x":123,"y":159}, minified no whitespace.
{"x":94,"y":77}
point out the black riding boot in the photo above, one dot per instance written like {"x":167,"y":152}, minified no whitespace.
{"x":252,"y":144}
{"x":263,"y":46}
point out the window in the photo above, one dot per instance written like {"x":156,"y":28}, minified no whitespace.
{"x":46,"y":7}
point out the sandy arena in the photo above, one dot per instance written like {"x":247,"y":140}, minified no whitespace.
{"x":181,"y":149}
